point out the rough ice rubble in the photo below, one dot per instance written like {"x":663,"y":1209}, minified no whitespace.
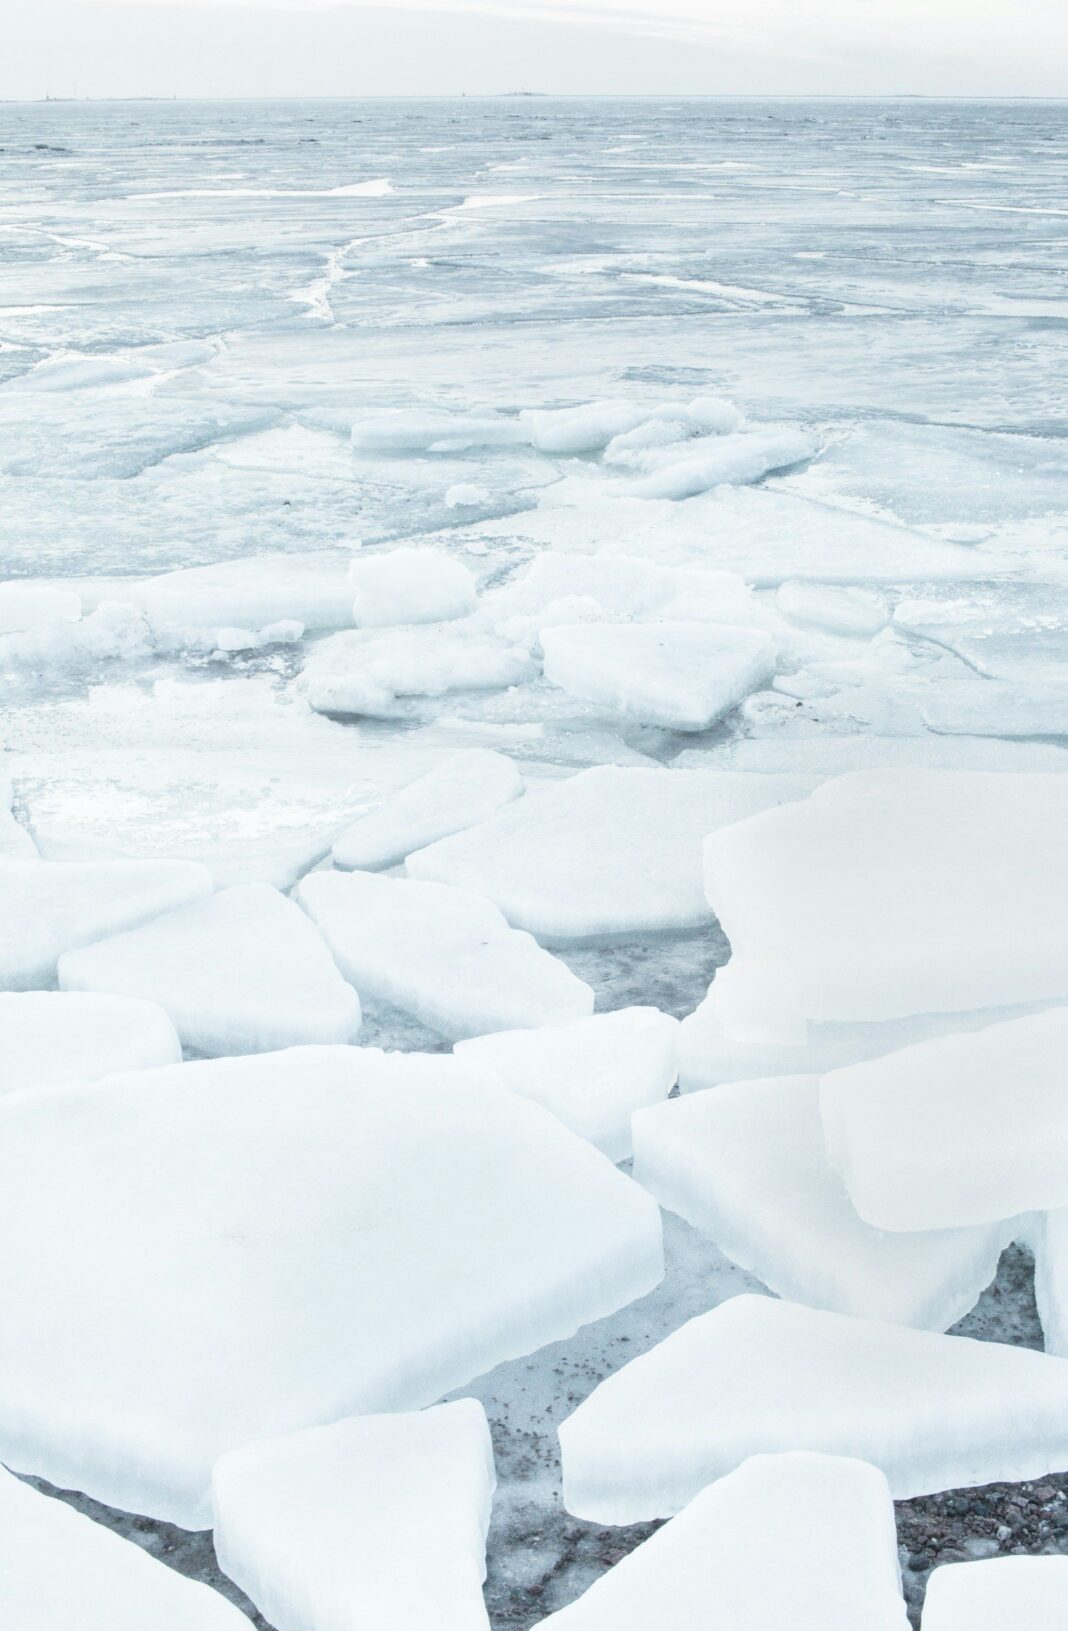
{"x":241,"y":972}
{"x":745,"y":1163}
{"x":756,"y":1375}
{"x":592,"y":1073}
{"x":51,"y":1037}
{"x":785,"y":1540}
{"x":378,"y":672}
{"x":374,"y":1521}
{"x":556,"y":586}
{"x":462,"y":790}
{"x":996,"y":1593}
{"x":609,"y":851}
{"x":226,"y":1266}
{"x":60,"y":1569}
{"x":409,"y":586}
{"x":445,"y":955}
{"x":49,"y":907}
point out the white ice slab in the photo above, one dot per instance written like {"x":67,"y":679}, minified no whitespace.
{"x":997,"y":1593}
{"x":378,"y":672}
{"x":51,"y":1037}
{"x":409,"y":586}
{"x":242,"y":1247}
{"x":746,"y":1164}
{"x":1048,"y":1236}
{"x":241,"y":972}
{"x":805,"y":1541}
{"x":592,"y":1074}
{"x":854,"y":612}
{"x":757,"y":1375}
{"x":374,"y":1521}
{"x":445,"y":955}
{"x":25,"y":604}
{"x":731,"y":460}
{"x":257,"y":590}
{"x":462,"y":790}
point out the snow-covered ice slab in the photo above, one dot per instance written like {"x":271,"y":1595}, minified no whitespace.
{"x":592,"y":1074}
{"x":51,"y":1037}
{"x":25,"y":605}
{"x":856,"y":613}
{"x":49,"y":907}
{"x":997,"y":1594}
{"x":445,"y":955}
{"x":239,"y":1248}
{"x":835,"y":755}
{"x":756,"y":1375}
{"x":409,"y":586}
{"x":381,"y":672}
{"x":734,"y":459}
{"x":561,"y":588}
{"x":251,"y":593}
{"x":806,"y":1541}
{"x":610,"y":851}
{"x":683,"y":676}
{"x":462,"y":790}
{"x":59,"y":1569}
{"x":375,"y":1523}
{"x":746,"y":1164}
{"x":890,"y":893}
{"x":241,"y":972}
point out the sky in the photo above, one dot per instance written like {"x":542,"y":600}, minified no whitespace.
{"x":206,"y":48}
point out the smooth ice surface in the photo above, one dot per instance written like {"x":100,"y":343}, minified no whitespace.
{"x":806,"y":1541}
{"x":445,"y":955}
{"x":462,"y":790}
{"x":757,"y":1375}
{"x":746,"y":1164}
{"x":994,"y":1113}
{"x":49,"y":907}
{"x":611,"y":851}
{"x":27,"y":605}
{"x":372,"y":1522}
{"x":409,"y":586}
{"x":890,"y":893}
{"x":997,"y":1593}
{"x":59,"y":1569}
{"x":684,"y":676}
{"x":262,"y":1244}
{"x":592,"y":1074}
{"x":51,"y":1037}
{"x":241,"y":972}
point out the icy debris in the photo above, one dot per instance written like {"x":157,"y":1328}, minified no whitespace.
{"x":462,"y":790}
{"x":585,"y":429}
{"x":992,"y":1115}
{"x":241,"y":972}
{"x":997,"y":1593}
{"x":806,"y":1541}
{"x":238,"y":1248}
{"x":609,"y":851}
{"x":683,"y":676}
{"x":555,"y":587}
{"x":59,"y":1569}
{"x":49,"y":907}
{"x":25,"y":604}
{"x":48,"y":1038}
{"x":757,"y":1375}
{"x":14,"y":839}
{"x":838,"y":611}
{"x":379,"y":671}
{"x":465,"y":495}
{"x":592,"y":1073}
{"x":375,"y":1521}
{"x":725,"y":460}
{"x":285,"y":633}
{"x":888,"y":893}
{"x":113,"y":631}
{"x":444,"y":955}
{"x":251,"y":593}
{"x":403,"y":586}
{"x":745,"y":1163}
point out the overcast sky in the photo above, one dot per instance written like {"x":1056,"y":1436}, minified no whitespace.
{"x":445,"y":47}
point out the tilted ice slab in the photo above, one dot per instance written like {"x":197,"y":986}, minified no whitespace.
{"x":757,"y":1375}
{"x":250,"y":593}
{"x":241,"y":972}
{"x":374,"y":1521}
{"x":592,"y":1074}
{"x":445,"y":955}
{"x":683,"y":676}
{"x":890,"y":893}
{"x":1048,"y":1236}
{"x":851,"y":612}
{"x":993,"y":1111}
{"x":59,"y":1569}
{"x":409,"y":586}
{"x":51,"y":1037}
{"x":238,"y":1248}
{"x":746,"y":1164}
{"x":609,"y":851}
{"x":379,"y":672}
{"x":49,"y":907}
{"x":734,"y":459}
{"x":463,"y":789}
{"x":806,"y":1541}
{"x":1030,"y":1593}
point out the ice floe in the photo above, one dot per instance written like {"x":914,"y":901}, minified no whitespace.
{"x":997,"y":1592}
{"x":409,"y":586}
{"x":51,"y":1037}
{"x":462,"y":790}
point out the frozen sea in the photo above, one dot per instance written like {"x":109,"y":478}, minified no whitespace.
{"x":199,"y":301}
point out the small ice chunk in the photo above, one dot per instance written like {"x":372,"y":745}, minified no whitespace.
{"x":285,"y":633}
{"x":403,"y":586}
{"x":444,"y":955}
{"x":756,"y":1375}
{"x":378,"y":671}
{"x":996,"y":1593}
{"x":683,"y":676}
{"x":592,"y":1073}
{"x":465,"y":495}
{"x":585,"y":429}
{"x":25,"y":605}
{"x":713,"y":414}
{"x":838,"y":611}
{"x":459,"y":792}
{"x":51,"y":1037}
{"x":725,"y":460}
{"x":374,"y":1521}
{"x":805,"y":1541}
{"x":59,"y":1569}
{"x":241,"y":972}
{"x":49,"y":907}
{"x":746,"y":1164}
